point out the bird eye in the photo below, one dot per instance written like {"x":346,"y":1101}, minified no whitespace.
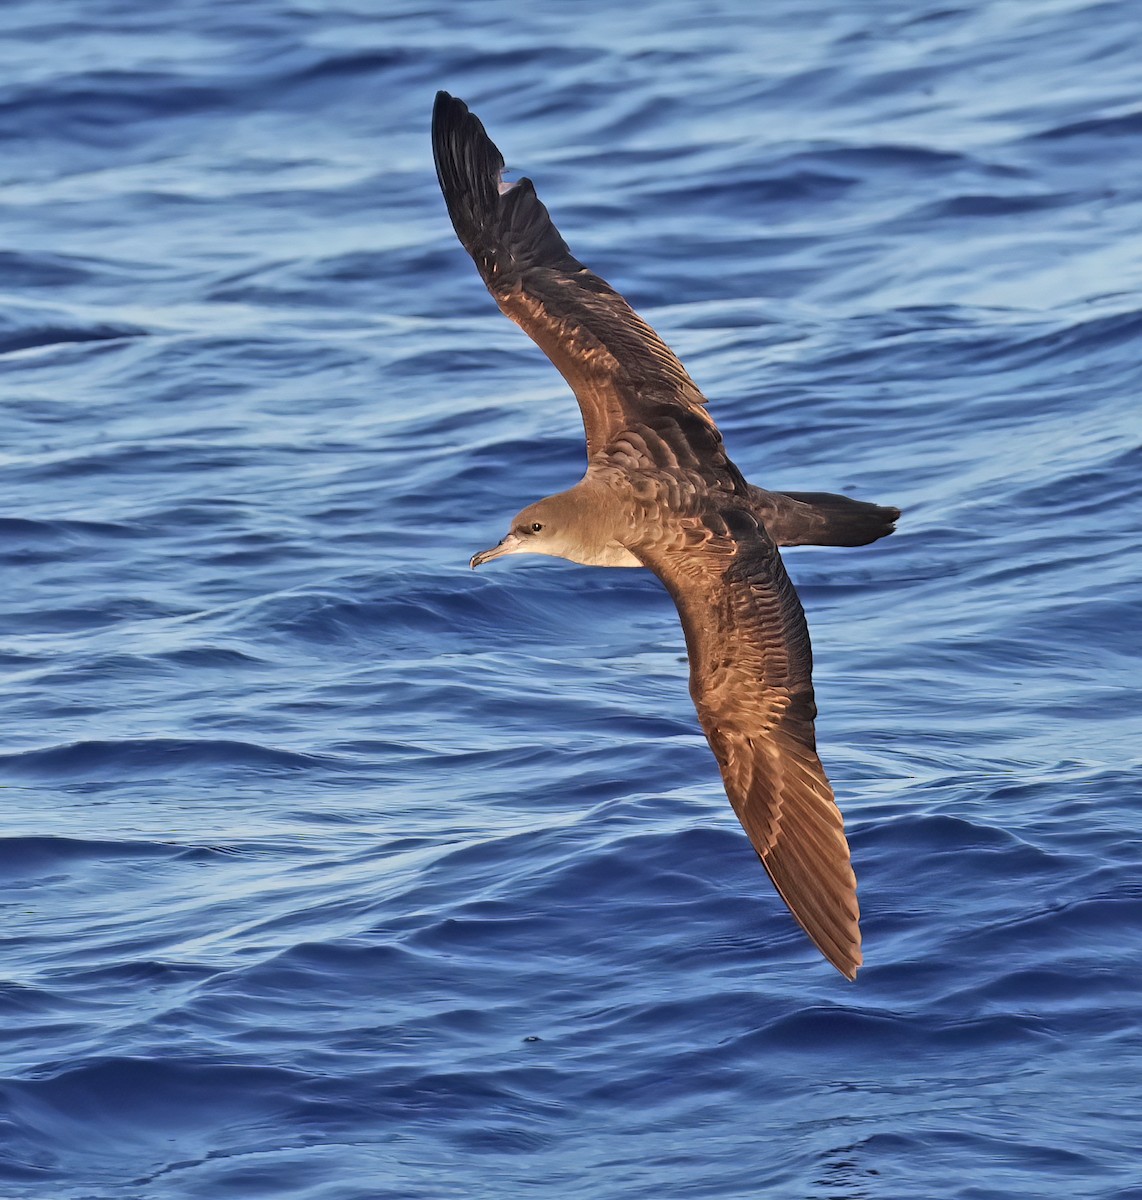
{"x":536,"y":527}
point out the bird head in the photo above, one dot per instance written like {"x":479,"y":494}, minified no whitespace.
{"x":546,"y":527}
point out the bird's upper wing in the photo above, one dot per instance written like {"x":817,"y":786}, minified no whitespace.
{"x":620,"y":370}
{"x":751,"y":680}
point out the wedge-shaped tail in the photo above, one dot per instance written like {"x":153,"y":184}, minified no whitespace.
{"x":820,"y":518}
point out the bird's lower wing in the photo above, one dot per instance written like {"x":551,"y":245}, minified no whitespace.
{"x":751,"y":680}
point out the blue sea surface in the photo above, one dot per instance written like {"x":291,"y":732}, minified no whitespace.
{"x":332,"y":870}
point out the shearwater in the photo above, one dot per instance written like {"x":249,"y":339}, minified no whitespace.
{"x":661,"y":492}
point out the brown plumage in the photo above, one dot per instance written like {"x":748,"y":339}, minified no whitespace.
{"x":661,"y":492}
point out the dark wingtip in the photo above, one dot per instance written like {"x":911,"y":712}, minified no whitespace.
{"x":468,"y":165}
{"x":502,"y":232}
{"x":447,"y":113}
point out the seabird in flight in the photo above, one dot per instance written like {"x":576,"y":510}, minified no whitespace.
{"x":661,"y":492}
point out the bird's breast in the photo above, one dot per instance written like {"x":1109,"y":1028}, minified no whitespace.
{"x":610,"y":554}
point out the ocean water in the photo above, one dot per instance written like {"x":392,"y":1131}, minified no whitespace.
{"x":334,"y":871}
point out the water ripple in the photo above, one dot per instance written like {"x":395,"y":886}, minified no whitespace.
{"x":334,"y":870}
